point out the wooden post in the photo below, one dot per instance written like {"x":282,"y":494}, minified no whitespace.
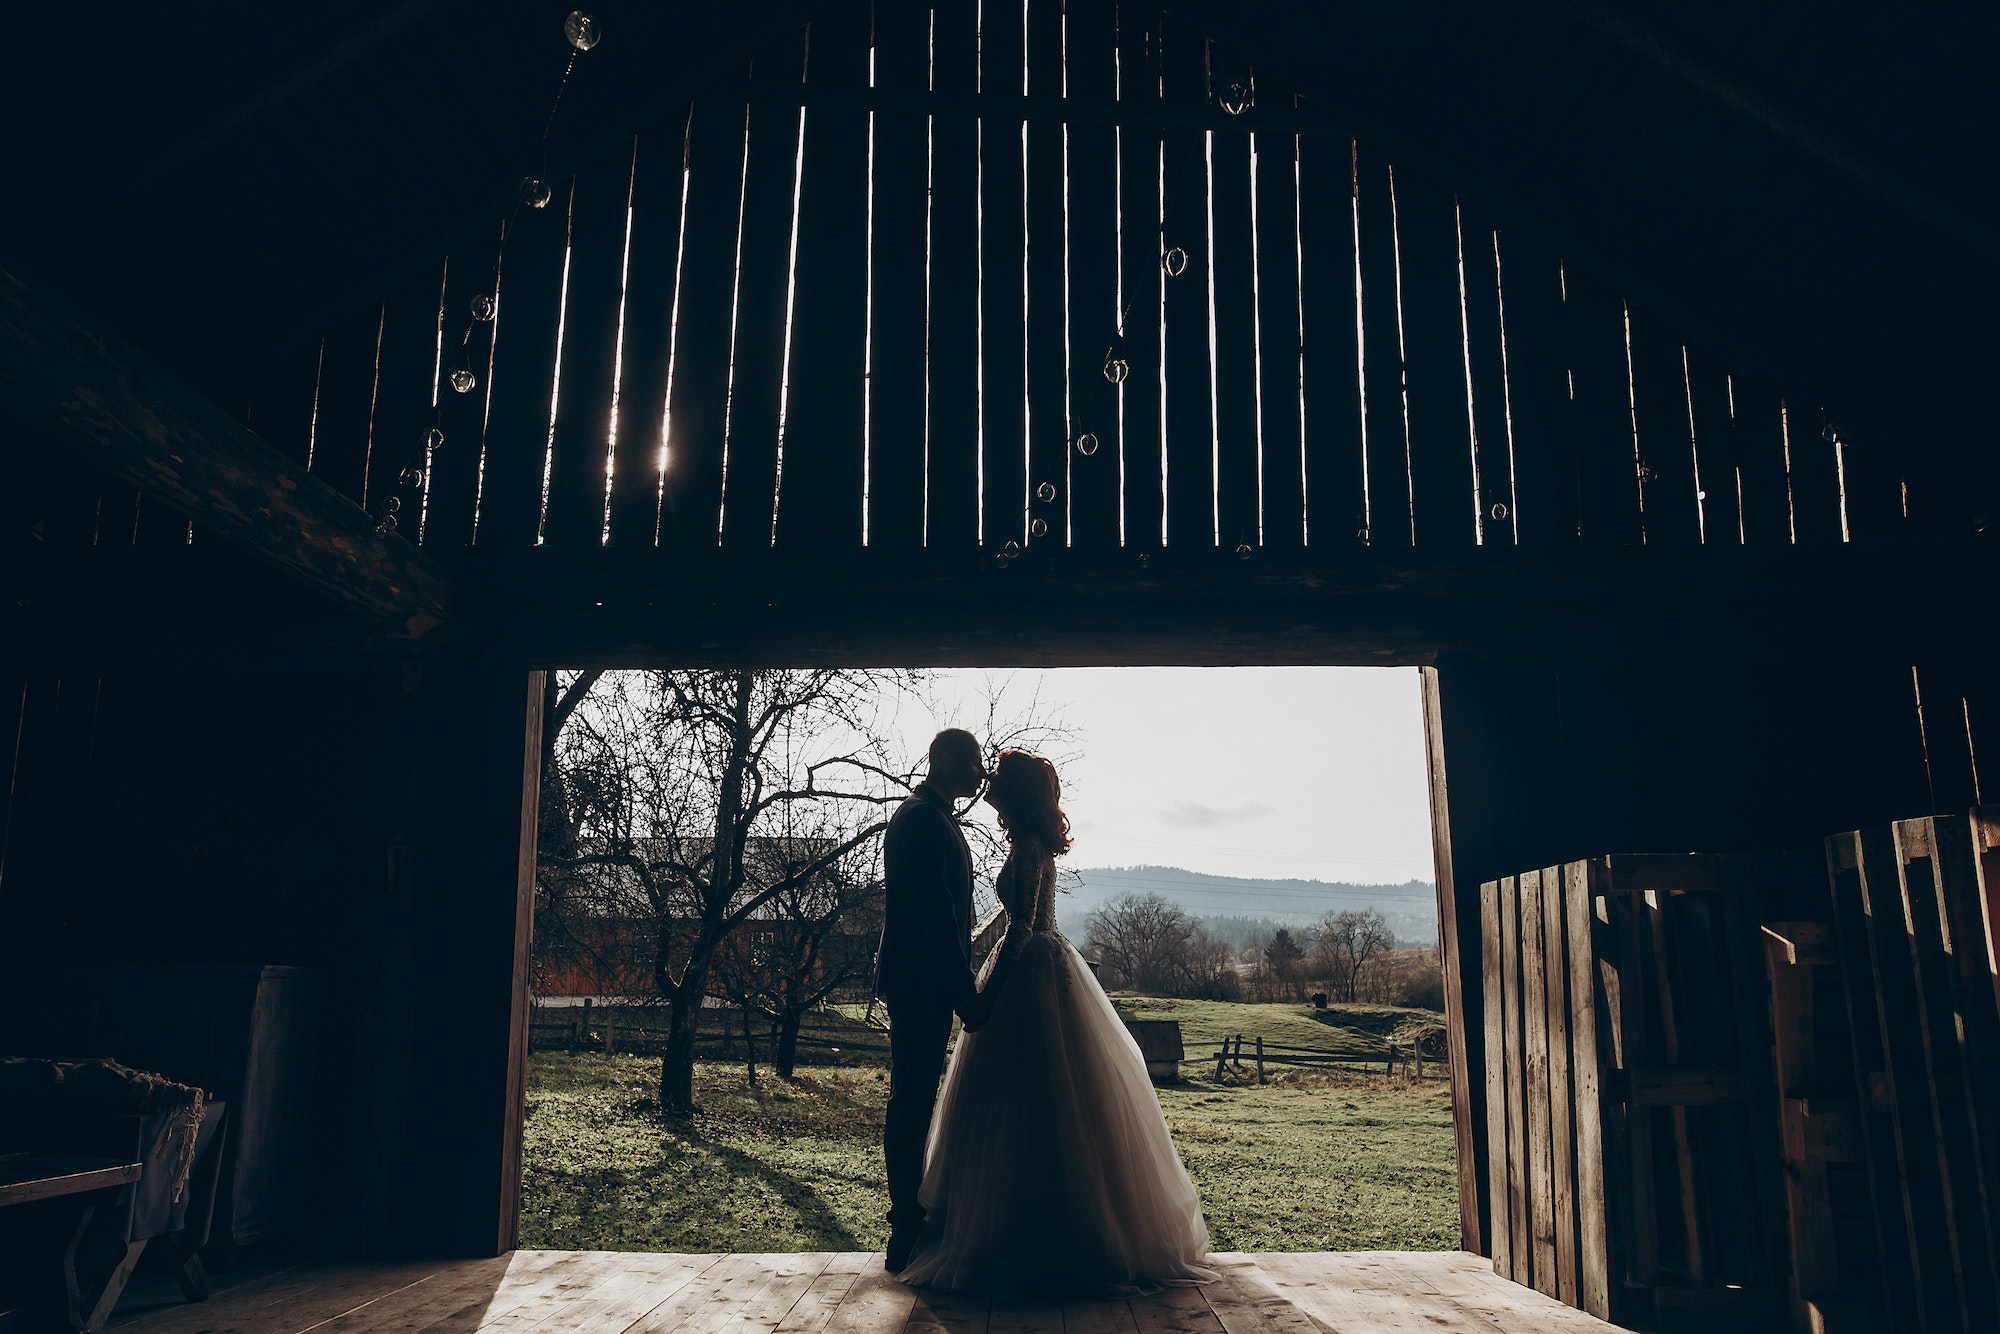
{"x":1260,"y":1058}
{"x":1221,"y":1057}
{"x":583,"y":1031}
{"x":610,"y":1041}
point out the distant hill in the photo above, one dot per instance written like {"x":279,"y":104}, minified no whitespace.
{"x":1411,"y":907}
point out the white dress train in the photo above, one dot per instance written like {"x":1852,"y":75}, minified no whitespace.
{"x":1050,"y":1170}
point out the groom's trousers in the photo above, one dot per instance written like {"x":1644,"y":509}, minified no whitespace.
{"x":919,"y":1029}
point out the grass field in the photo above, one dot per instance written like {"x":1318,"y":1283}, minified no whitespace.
{"x":1308,"y":1161}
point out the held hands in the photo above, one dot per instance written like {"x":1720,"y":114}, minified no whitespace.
{"x":977,"y":1011}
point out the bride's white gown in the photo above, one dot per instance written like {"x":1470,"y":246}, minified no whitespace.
{"x":1050,"y":1169}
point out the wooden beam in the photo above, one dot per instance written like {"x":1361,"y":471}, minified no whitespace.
{"x":142,"y":425}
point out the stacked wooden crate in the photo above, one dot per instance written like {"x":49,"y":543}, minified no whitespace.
{"x":1634,"y":1159}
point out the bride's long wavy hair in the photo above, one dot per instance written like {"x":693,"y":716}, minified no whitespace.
{"x":1027,"y":796}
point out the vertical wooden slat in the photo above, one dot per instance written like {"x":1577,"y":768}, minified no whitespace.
{"x":1144,"y":444}
{"x":515,"y":394}
{"x":1642,"y":1258}
{"x":1483,"y":370}
{"x":1894,"y":1235}
{"x":1877,"y":911}
{"x":1434,"y":351}
{"x":452,"y":486}
{"x":339,"y":436}
{"x":1278,"y":344}
{"x":1093,"y":500}
{"x":1693,"y":1235}
{"x":1757,"y":452}
{"x":1520,"y":1236}
{"x":688,"y":493}
{"x":1723,"y":523}
{"x":403,"y":412}
{"x":1594,"y":340}
{"x":896,"y":265}
{"x":1537,"y":393}
{"x":1499,"y":1144}
{"x":1592,"y":1215}
{"x":764,"y":280}
{"x":1740,"y":903}
{"x":952,"y":496}
{"x":1244,"y":459}
{"x":1659,"y":395}
{"x":1388,"y":519}
{"x":1815,"y":473}
{"x":1003,"y":384}
{"x":570,"y":502}
{"x":1048,"y":448}
{"x":821,"y":497}
{"x":1943,"y":1024}
{"x":1191,"y":495}
{"x":653,"y":269}
{"x":1535,"y":1043}
{"x":1323,"y":232}
{"x":1562,"y":1127}
{"x":1985,"y":822}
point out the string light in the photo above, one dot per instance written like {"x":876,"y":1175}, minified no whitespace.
{"x":1086,"y":444}
{"x":1039,"y":528}
{"x":582,"y":30}
{"x":463,"y":380}
{"x":1046,"y":492}
{"x":1175,"y":262}
{"x":483,"y":308}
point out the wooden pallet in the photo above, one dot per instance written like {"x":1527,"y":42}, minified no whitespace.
{"x":1635,"y":1147}
{"x":1913,"y":918}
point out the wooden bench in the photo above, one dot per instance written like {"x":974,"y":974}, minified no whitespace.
{"x":27,"y":1179}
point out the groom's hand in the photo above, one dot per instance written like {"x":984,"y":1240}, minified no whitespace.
{"x":974,"y":1016}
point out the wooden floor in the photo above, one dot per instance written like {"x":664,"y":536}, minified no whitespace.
{"x":602,"y":1292}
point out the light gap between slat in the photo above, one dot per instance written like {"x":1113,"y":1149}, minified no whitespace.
{"x":618,"y":349}
{"x":555,"y":379}
{"x":673,"y":336}
{"x":735,"y":332}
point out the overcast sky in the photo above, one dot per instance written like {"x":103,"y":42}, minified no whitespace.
{"x":1308,"y":772}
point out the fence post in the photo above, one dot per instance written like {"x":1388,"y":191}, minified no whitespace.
{"x":1221,"y":1057}
{"x":1260,"y":1058}
{"x":1239,"y":1051}
{"x":1390,"y":1070}
{"x":609,"y":1016}
{"x":584,"y":1032}
{"x":1418,"y":1047}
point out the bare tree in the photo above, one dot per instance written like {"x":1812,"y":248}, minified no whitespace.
{"x":1344,"y":945}
{"x":815,"y":938}
{"x":672,"y":775}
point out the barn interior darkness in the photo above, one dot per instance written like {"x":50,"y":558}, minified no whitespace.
{"x":1625,"y":367}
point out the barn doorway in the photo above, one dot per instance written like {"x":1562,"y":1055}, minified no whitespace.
{"x":1252,"y":878}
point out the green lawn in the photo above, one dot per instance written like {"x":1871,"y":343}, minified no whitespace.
{"x":1308,"y":1161}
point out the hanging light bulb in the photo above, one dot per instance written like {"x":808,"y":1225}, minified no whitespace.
{"x":1243,"y":551}
{"x":1116,"y":369}
{"x":435,"y":438}
{"x":483,"y":308}
{"x":412,"y":478}
{"x":464,"y":381}
{"x":535,"y":192}
{"x":1039,"y":528}
{"x":391,"y":503}
{"x":582,"y":30}
{"x":1046,"y":492}
{"x":385,"y":525}
{"x":1010,"y":548}
{"x":1086,"y":444}
{"x":1361,"y":535}
{"x":1499,"y":511}
{"x":1175,"y":262}
{"x":1238,"y":98}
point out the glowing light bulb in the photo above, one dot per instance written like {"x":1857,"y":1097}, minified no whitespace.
{"x":1010,"y":548}
{"x":412,"y":478}
{"x":1237,"y":99}
{"x":391,"y":503}
{"x":1499,"y":511}
{"x":1086,"y":444}
{"x":1175,"y":262}
{"x":435,"y":439}
{"x":483,"y":307}
{"x":1116,"y":369}
{"x":464,"y":381}
{"x":535,"y":193}
{"x":582,"y":30}
{"x":1039,"y":528}
{"x":1046,"y":492}
{"x":1243,"y":551}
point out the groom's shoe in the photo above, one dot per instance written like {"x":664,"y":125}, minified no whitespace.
{"x":897,"y":1257}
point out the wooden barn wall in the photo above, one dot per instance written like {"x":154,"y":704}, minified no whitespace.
{"x":1537,"y":762}
{"x":376,"y":827}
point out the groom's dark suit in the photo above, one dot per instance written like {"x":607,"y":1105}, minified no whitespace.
{"x":924,"y":972}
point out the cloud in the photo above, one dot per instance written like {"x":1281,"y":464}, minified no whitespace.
{"x":1197,"y":815}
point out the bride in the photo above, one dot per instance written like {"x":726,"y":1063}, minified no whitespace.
{"x":1050,"y":1169}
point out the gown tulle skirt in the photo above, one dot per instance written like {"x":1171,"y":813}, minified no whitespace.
{"x":1050,"y":1170}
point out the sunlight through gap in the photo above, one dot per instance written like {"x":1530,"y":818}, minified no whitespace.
{"x":791,"y":305}
{"x":735,"y":328}
{"x":618,"y":348}
{"x":673,"y":338}
{"x":555,"y":381}
{"x":1465,"y":359}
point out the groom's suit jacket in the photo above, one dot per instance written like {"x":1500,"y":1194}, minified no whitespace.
{"x":926,"y":951}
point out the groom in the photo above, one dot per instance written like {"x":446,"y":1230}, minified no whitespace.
{"x":924,"y":966}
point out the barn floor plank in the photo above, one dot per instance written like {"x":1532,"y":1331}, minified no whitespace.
{"x":604,"y":1292}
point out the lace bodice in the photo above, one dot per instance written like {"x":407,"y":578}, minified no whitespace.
{"x":1026,"y":887}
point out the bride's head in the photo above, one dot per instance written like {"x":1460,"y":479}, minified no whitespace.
{"x":1027,"y":796}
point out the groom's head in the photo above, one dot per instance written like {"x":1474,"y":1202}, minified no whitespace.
{"x":958,"y":766}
